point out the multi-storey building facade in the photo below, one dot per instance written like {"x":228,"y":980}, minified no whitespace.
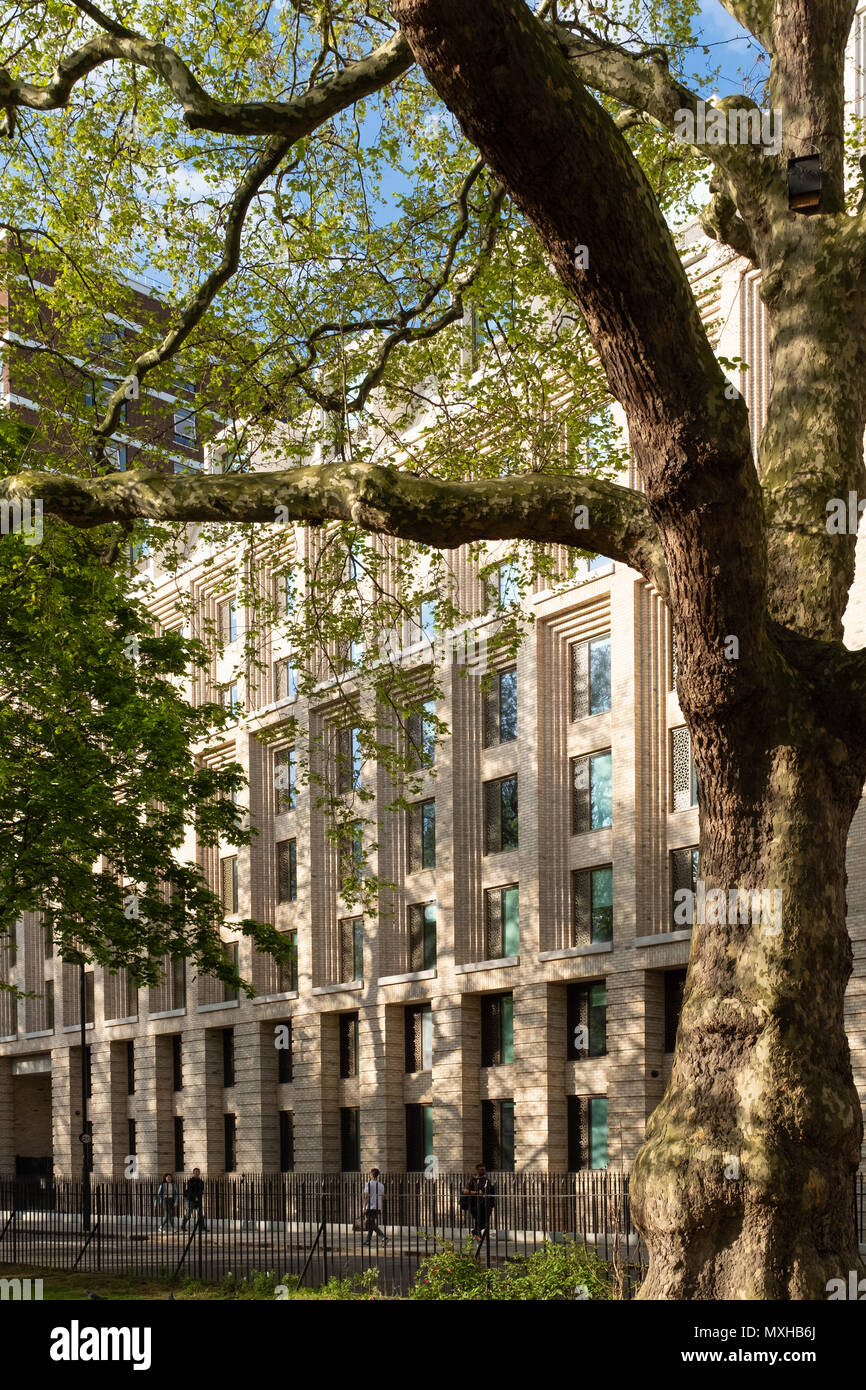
{"x":514,"y":997}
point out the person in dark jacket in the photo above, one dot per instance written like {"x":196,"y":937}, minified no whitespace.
{"x":193,"y":1195}
{"x":482,"y":1200}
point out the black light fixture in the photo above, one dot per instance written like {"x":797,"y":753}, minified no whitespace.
{"x":804,"y":183}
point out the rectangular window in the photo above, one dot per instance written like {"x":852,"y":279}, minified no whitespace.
{"x":88,"y":1072}
{"x":285,"y":680}
{"x":177,"y":982}
{"x":500,"y":721}
{"x":419,"y":1037}
{"x":497,"y":1135}
{"x":351,"y":949}
{"x":421,"y":736}
{"x":230,"y":1129}
{"x":285,"y":779}
{"x":131,"y":1138}
{"x":586,"y":1019}
{"x":587,"y":1133}
{"x":228,"y":697}
{"x":227,"y":621}
{"x":229,"y":885}
{"x":592,"y":793}
{"x":287,"y":871}
{"x":228,"y":1056}
{"x":285,"y":1072}
{"x":350,"y":1139}
{"x":592,"y":905}
{"x":501,"y":922}
{"x":176,"y":1062}
{"x":675,"y":984}
{"x":507,"y":590}
{"x":131,"y":995}
{"x":349,"y":1033}
{"x":422,"y":936}
{"x":184,"y":428}
{"x":130,"y":1069}
{"x":419,"y":1137}
{"x":427,"y":619}
{"x":684,"y":778}
{"x":178,"y":1144}
{"x":284,"y":593}
{"x":497,"y":1030}
{"x":230,"y":950}
{"x":287,"y":1141}
{"x":89,"y":1000}
{"x":422,"y":836}
{"x":287,"y":972}
{"x":684,"y":886}
{"x":590,"y":677}
{"x":49,"y":1006}
{"x":351,"y":853}
{"x":500,"y":815}
{"x":349,"y":759}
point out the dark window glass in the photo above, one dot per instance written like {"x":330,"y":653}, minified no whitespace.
{"x":285,"y":779}
{"x":419,"y":1137}
{"x":350,"y":1139}
{"x":130,"y":1070}
{"x":230,"y":1123}
{"x":421,"y":735}
{"x":230,"y":950}
{"x":351,"y":950}
{"x":287,"y":871}
{"x":587,"y":1132}
{"x":675,"y":984}
{"x":419,"y":1037}
{"x":497,"y":1135}
{"x":178,"y":1144}
{"x":284,"y":1054}
{"x":502,"y":922}
{"x":348,"y":1025}
{"x":131,"y":1139}
{"x":228,"y":1056}
{"x":422,"y":936}
{"x":176,"y":1062}
{"x":500,"y":815}
{"x":500,"y":724}
{"x":497,"y":1029}
{"x":592,"y":905}
{"x":684,"y":886}
{"x":422,"y":836}
{"x":586,"y":1015}
{"x":287,"y":1141}
{"x":349,"y":758}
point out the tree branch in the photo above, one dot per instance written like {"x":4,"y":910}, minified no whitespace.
{"x":289,"y":119}
{"x":645,"y":84}
{"x":389,"y":500}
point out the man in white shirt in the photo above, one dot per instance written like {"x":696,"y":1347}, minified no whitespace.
{"x":374,"y":1201}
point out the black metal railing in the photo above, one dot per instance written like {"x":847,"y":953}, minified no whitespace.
{"x":310,"y":1223}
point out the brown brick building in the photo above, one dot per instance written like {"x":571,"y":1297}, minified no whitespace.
{"x":514,"y":997}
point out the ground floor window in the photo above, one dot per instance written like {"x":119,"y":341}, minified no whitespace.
{"x":497,"y":1135}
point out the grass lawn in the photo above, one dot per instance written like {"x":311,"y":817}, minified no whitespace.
{"x":63,"y":1286}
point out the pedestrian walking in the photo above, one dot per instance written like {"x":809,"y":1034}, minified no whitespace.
{"x":193,"y":1195}
{"x":481,"y":1193}
{"x":166,"y":1199}
{"x":374,"y":1205}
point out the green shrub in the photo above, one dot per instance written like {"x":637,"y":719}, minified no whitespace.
{"x":553,"y":1271}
